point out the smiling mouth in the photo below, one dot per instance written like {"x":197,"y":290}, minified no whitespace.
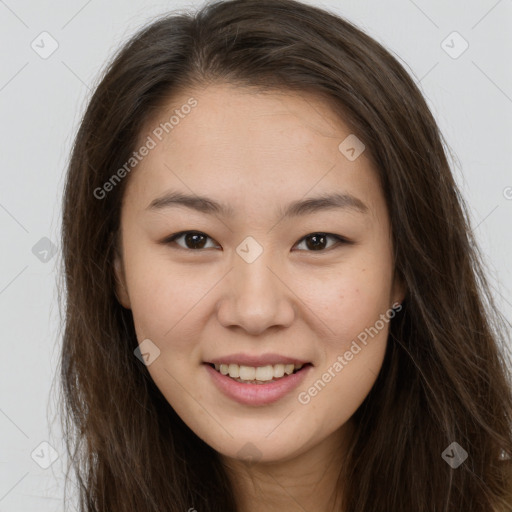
{"x":259,"y":374}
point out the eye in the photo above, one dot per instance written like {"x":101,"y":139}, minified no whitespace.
{"x":196,"y":240}
{"x":317,"y":241}
{"x":193,"y":239}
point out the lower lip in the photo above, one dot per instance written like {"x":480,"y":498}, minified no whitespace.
{"x":257,"y":394}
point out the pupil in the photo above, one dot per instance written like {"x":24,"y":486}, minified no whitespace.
{"x":190,"y":238}
{"x":316,"y":246}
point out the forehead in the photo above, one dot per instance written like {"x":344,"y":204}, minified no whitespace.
{"x":249,"y":148}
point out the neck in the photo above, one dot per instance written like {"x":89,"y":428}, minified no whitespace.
{"x":308,"y":481}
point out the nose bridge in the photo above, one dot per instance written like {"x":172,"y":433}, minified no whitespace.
{"x":254,"y":281}
{"x":256,"y":297}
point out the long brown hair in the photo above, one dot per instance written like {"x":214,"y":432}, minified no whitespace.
{"x":445,"y":376}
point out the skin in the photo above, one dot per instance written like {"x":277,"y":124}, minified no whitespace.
{"x":257,"y":152}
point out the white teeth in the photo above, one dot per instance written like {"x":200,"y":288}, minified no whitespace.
{"x":234,"y":370}
{"x":278,"y":370}
{"x":246,"y":372}
{"x":260,"y":373}
{"x":264,"y":373}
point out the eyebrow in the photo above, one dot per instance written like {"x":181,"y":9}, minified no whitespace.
{"x":294,"y":209}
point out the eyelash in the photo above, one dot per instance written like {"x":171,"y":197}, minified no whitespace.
{"x":341,"y":240}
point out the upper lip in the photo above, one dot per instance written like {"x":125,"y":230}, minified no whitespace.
{"x":254,"y":360}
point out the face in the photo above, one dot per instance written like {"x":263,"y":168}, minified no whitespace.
{"x":263,"y":278}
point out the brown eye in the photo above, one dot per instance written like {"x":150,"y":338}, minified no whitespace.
{"x":192,"y":240}
{"x":318,"y":241}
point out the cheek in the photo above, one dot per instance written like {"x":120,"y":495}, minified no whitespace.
{"x":355,"y":307}
{"x":163,"y":303}
{"x":339,"y":388}
{"x":166,"y":308}
{"x":350,"y":299}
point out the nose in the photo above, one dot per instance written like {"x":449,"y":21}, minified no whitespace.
{"x":255,"y":296}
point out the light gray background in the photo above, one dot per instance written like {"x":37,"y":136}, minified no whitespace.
{"x":41,"y":101}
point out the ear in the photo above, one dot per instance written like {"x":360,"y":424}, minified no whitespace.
{"x":399,"y":290}
{"x":120,"y":289}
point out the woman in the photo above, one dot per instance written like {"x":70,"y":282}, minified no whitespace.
{"x":219,"y":353}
